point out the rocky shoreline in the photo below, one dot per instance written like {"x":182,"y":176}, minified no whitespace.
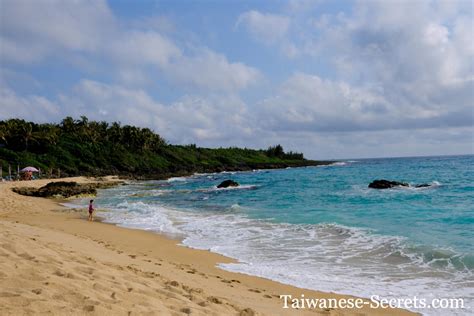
{"x":243,"y":167}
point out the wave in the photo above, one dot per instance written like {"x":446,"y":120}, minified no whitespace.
{"x":327,"y":257}
{"x":417,"y":187}
{"x":154,"y":192}
{"x":339,"y":163}
{"x":174,"y":179}
{"x":143,"y":216}
{"x":240,"y":187}
{"x":431,"y":185}
{"x":228,"y":172}
{"x":216,"y":189}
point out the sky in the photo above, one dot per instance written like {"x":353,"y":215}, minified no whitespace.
{"x":332,"y":79}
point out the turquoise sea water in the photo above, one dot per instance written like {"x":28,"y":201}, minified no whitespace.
{"x":322,"y":227}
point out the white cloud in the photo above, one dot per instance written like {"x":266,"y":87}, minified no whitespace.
{"x":265,"y":27}
{"x":189,"y":119}
{"x":404,"y":66}
{"x":144,"y":48}
{"x":207,"y":70}
{"x":88,"y":36}
{"x":33,"y":30}
{"x":308,"y":103}
{"x":399,"y":65}
{"x":32,"y":107}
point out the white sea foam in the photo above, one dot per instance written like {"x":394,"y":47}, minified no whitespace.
{"x":320,"y":257}
{"x":228,"y":172}
{"x":240,"y":187}
{"x":334,"y":164}
{"x":340,"y":163}
{"x":142,"y":216}
{"x":326,"y":257}
{"x":174,"y":179}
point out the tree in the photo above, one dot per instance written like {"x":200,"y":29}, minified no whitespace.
{"x":275,"y":151}
{"x":27,"y":134}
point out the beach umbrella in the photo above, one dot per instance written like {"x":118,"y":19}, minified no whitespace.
{"x":29,"y":169}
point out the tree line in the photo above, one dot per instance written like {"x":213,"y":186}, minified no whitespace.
{"x":84,"y":147}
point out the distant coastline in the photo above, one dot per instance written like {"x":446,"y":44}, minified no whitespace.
{"x":81,"y":147}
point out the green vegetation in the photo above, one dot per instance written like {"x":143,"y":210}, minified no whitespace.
{"x":83,"y":147}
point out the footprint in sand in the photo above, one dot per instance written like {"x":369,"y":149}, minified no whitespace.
{"x":247,"y":312}
{"x":255,"y":291}
{"x":89,"y":308}
{"x":214,"y":300}
{"x":172,"y":283}
{"x":26,"y":256}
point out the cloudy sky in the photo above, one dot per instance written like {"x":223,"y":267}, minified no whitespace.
{"x":333,"y":79}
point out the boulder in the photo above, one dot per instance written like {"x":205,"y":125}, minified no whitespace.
{"x":227,"y":183}
{"x":65,"y":189}
{"x":386,"y":184}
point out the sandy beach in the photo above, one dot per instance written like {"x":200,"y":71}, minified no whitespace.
{"x":52,"y":261}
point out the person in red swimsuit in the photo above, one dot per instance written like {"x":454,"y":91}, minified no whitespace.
{"x":91,"y":210}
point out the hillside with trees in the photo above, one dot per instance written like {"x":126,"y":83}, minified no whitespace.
{"x":83,"y":147}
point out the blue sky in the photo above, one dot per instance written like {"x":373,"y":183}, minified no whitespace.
{"x":333,"y":79}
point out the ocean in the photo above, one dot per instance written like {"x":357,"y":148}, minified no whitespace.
{"x":321,"y":227}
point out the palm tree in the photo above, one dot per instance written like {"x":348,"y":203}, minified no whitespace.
{"x":48,"y":133}
{"x":68,"y":124}
{"x":27,"y":134}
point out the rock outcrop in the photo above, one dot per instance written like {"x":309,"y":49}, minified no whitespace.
{"x":386,"y":184}
{"x":64,"y":189}
{"x":227,"y":183}
{"x":424,"y":185}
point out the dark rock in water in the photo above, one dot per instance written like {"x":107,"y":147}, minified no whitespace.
{"x":65,"y":189}
{"x":386,"y":184}
{"x":227,"y":183}
{"x":424,"y":185}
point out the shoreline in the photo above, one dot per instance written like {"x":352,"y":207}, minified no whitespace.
{"x":165,"y":277}
{"x":249,"y":168}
